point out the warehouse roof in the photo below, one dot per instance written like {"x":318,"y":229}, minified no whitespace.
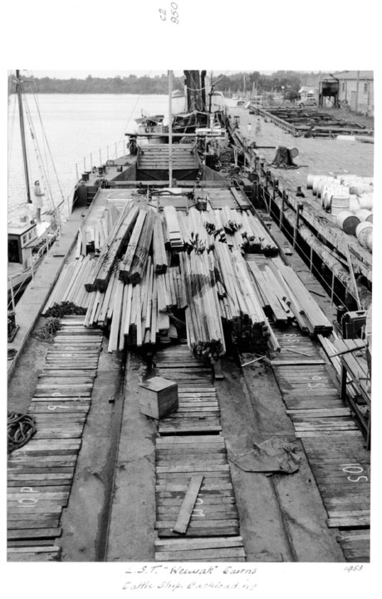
{"x":353,"y":75}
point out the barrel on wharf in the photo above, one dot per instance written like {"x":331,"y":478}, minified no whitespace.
{"x":347,"y":221}
{"x":364,"y":215}
{"x":339,"y":203}
{"x":366,"y":201}
{"x":363,"y":231}
{"x":354,"y":205}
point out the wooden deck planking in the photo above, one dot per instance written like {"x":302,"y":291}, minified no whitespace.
{"x":332,"y":441}
{"x":180,"y":458}
{"x":40,"y":474}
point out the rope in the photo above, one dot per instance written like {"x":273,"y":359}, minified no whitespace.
{"x":48,"y":330}
{"x":21,"y":427}
{"x":11,"y":131}
{"x":47,"y":143}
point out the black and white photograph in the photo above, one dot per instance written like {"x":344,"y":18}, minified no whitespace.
{"x":190,"y":215}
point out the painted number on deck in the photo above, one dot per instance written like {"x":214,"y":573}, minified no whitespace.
{"x":354,"y":469}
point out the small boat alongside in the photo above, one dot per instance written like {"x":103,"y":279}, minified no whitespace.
{"x":29,"y":235}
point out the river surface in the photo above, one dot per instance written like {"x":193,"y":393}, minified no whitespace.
{"x":77,"y":129}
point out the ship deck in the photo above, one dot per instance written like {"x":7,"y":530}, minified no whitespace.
{"x":106,"y":456}
{"x":260,"y":518}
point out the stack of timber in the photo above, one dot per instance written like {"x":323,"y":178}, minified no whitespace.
{"x":283,"y":296}
{"x":132,"y":288}
{"x":112,"y":249}
{"x":135,"y":259}
{"x":92,"y":238}
{"x":70,"y":286}
{"x":204,"y":326}
{"x":173,"y":228}
{"x":159,"y":252}
{"x":241,"y":230}
{"x":240,"y":305}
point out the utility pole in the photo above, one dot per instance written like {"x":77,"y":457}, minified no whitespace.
{"x":170,"y":127}
{"x":356,"y":93}
{"x":22,"y":130}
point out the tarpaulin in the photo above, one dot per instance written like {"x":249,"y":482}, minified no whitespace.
{"x":276,"y":455}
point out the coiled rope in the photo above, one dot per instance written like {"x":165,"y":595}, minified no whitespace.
{"x":21,"y":427}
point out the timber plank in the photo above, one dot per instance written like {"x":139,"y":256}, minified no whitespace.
{"x":348,"y":522}
{"x":68,"y":408}
{"x":310,"y":404}
{"x":184,"y":447}
{"x":64,"y":398}
{"x":192,"y":544}
{"x":188,"y":389}
{"x":21,"y":524}
{"x":191,"y":467}
{"x":47,"y":379}
{"x":191,"y":439}
{"x":30,"y":543}
{"x":41,"y":473}
{"x":198,"y":532}
{"x":319,"y":412}
{"x":207,"y":500}
{"x":173,"y":489}
{"x":34,"y":533}
{"x":179,"y":459}
{"x":181,"y":476}
{"x":302,"y":435}
{"x":46,"y":508}
{"x":187,"y":506}
{"x":200,"y":511}
{"x":195,"y":523}
{"x":59,"y":434}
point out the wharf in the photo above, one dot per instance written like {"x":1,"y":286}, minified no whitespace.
{"x":316,"y":156}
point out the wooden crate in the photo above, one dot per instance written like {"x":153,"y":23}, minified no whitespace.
{"x":159,"y":397}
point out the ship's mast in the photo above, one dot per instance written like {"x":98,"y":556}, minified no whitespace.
{"x":170,"y":127}
{"x":22,"y":130}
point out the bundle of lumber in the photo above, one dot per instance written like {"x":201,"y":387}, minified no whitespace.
{"x":204,"y":325}
{"x":113,"y":247}
{"x":70,"y":284}
{"x":132,"y":287}
{"x":134,"y":262}
{"x":316,"y":320}
{"x":240,"y":304}
{"x":173,"y":229}
{"x":280,"y":287}
{"x":241,"y":230}
{"x":138,"y":314}
{"x":92,"y":238}
{"x":270,"y":293}
{"x":159,"y":251}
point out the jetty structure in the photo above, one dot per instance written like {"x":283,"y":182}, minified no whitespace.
{"x":192,"y":368}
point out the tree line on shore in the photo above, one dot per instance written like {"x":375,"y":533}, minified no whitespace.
{"x":278,"y":82}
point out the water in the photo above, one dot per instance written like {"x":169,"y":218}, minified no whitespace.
{"x":76,"y":126}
